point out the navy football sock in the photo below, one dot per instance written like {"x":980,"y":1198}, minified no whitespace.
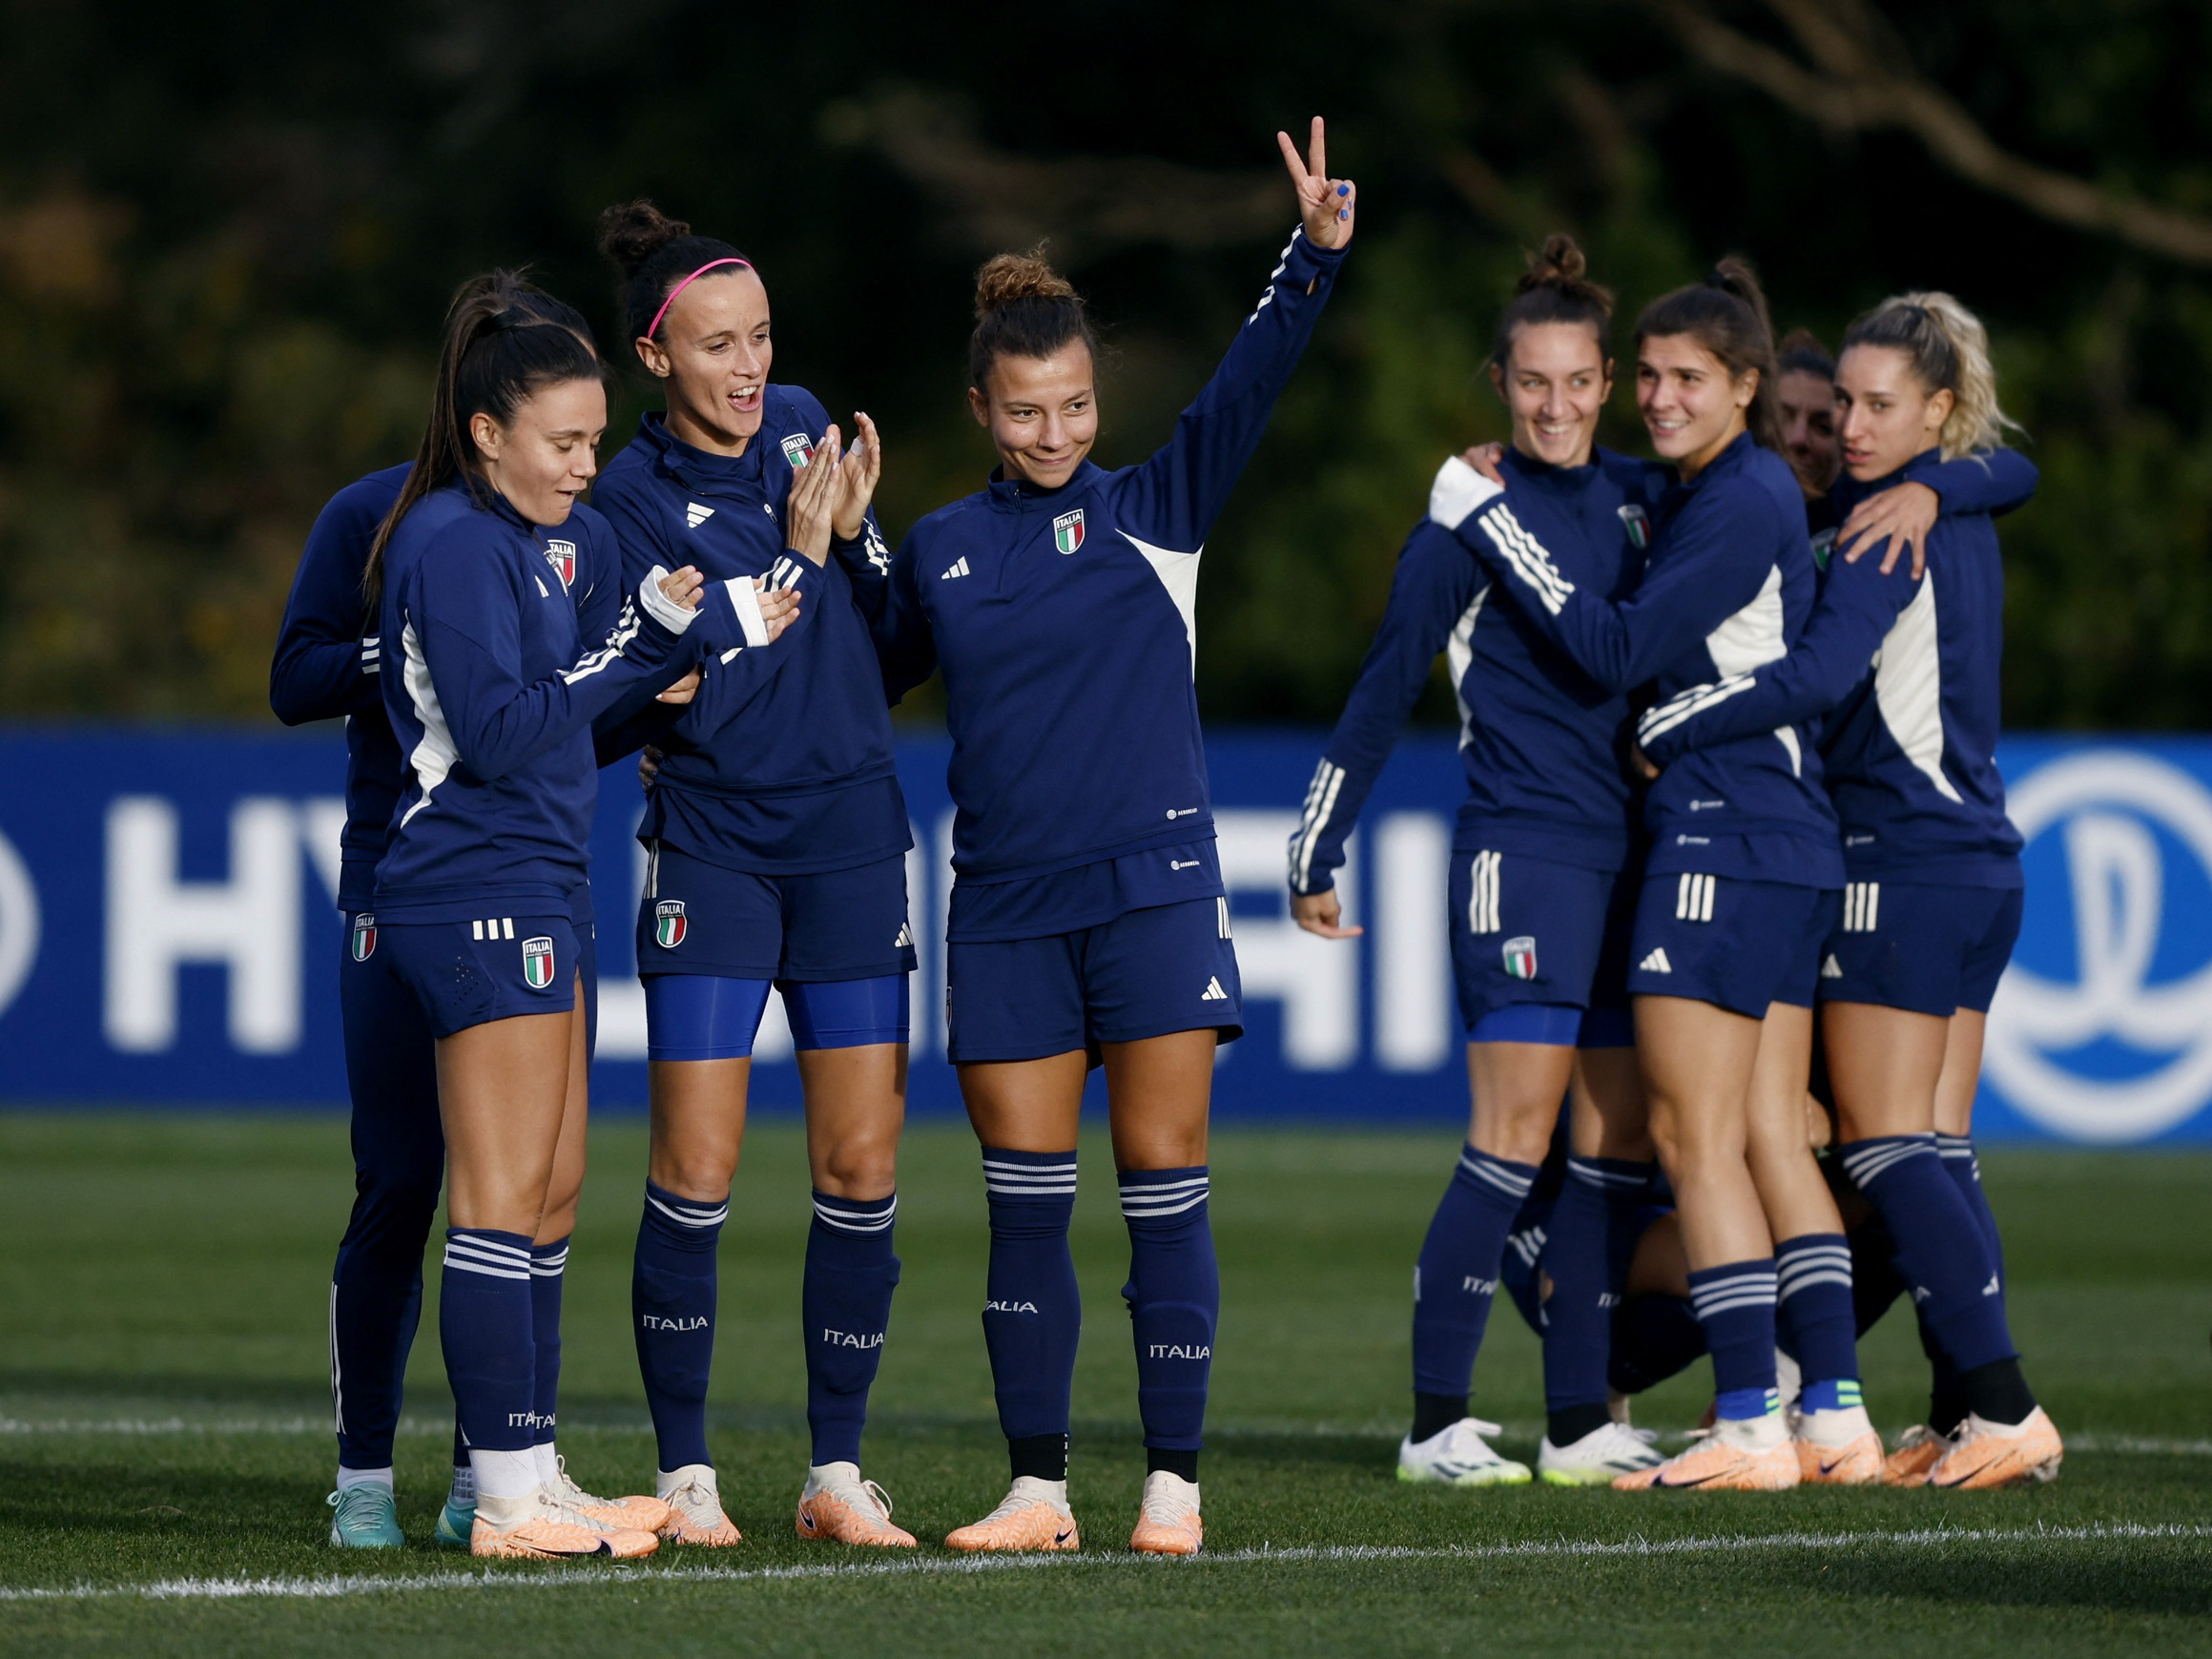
{"x":485,"y":1326}
{"x":845,"y":1304}
{"x":1174,"y":1299}
{"x":1940,"y":1246}
{"x":671,"y":1304}
{"x":1875,"y":1281}
{"x":1456,"y":1278}
{"x":1032,"y":1310}
{"x":548,"y":1263}
{"x":1586,"y":1249}
{"x":1655,"y":1336}
{"x":1735,"y":1304}
{"x":1814,"y":1314}
{"x":1964,"y":1168}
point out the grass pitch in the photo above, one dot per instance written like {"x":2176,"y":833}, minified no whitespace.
{"x":164,"y":1427}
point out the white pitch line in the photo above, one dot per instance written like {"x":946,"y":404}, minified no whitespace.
{"x":333,"y":1587}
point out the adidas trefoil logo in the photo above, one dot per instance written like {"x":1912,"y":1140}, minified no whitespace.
{"x":1832,"y":968}
{"x":959,"y":569}
{"x":1656,"y":962}
{"x":696,"y":515}
{"x":1213,"y":993}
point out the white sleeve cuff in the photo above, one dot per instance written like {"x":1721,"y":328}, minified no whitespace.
{"x":745,"y":600}
{"x":663,"y":610}
{"x":1459,"y":491}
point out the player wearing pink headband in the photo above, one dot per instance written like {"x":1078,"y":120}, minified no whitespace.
{"x":775,"y":862}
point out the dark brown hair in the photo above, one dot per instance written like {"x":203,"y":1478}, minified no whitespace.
{"x":1555,"y":288}
{"x":1801,"y":352}
{"x":505,"y":342}
{"x":654,"y":253}
{"x":1024,"y":309}
{"x":1726,"y":314}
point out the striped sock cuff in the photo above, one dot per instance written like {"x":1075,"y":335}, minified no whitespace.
{"x":1032,"y":1175}
{"x":1617,"y":1177}
{"x":693,"y":1213}
{"x":550,"y":1260}
{"x":857,"y":1214}
{"x":493,"y":1254}
{"x":1812,"y":1258}
{"x":1867,"y":1160}
{"x":1960,"y":1146}
{"x":1736,"y":1284}
{"x":1502,"y":1174}
{"x":1157,"y":1195}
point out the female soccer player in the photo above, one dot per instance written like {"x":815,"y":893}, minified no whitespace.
{"x":1088,"y":917}
{"x":1805,"y":395}
{"x":482,"y":896}
{"x":1744,"y":868}
{"x":1540,"y":901}
{"x":775,"y":863}
{"x":1934,"y":902}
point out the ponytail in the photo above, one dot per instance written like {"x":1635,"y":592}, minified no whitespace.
{"x":1555,"y":288}
{"x":505,"y":342}
{"x":1726,"y":314}
{"x":1949,"y":350}
{"x":1024,"y":309}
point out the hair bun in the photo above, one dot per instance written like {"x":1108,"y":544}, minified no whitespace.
{"x":631,"y":232}
{"x":1011,"y":276}
{"x":1559,"y":262}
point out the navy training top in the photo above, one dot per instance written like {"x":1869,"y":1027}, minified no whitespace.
{"x":1912,"y":671}
{"x":325,"y":669}
{"x":805,"y":783}
{"x":496,"y":681}
{"x":1065,"y":623}
{"x":1538,"y":738}
{"x":1728,"y":586}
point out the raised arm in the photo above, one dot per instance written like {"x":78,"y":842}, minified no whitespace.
{"x":1428,"y":595}
{"x":1857,"y":607}
{"x":1172,"y":500}
{"x":1708,"y":569}
{"x":326,"y":661}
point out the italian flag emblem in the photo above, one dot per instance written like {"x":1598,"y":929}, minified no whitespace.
{"x":1638,"y":524}
{"x":668,"y":923}
{"x":364,"y":937}
{"x":1068,"y":530}
{"x":538,"y":963}
{"x":799,"y":450}
{"x":1521,"y":957}
{"x":562,"y":557}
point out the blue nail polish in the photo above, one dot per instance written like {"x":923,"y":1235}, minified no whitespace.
{"x":1344,"y":190}
{"x":1344,"y":213}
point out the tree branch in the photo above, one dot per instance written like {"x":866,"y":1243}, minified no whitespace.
{"x":1860,"y":82}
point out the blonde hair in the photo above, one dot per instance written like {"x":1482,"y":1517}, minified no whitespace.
{"x":1949,"y":350}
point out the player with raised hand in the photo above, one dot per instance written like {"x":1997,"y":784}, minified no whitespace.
{"x":482,"y":895}
{"x":1542,"y":886}
{"x":1934,"y":902}
{"x":772,"y":863}
{"x":1088,"y":920}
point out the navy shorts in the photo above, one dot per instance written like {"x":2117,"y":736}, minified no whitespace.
{"x":1527,"y":930}
{"x":1170,"y":968}
{"x":1926,"y":948}
{"x":1737,"y":945}
{"x":698,"y":918}
{"x":495,"y":967}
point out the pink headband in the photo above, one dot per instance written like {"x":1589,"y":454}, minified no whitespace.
{"x":709,"y":265}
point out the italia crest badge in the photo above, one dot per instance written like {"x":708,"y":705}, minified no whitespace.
{"x":1824,"y":548}
{"x":1521,"y":957}
{"x":668,"y":926}
{"x":562,"y":557}
{"x":538,"y":963}
{"x":364,"y":937}
{"x":799,"y":450}
{"x":1638,"y":523}
{"x":1068,"y":530}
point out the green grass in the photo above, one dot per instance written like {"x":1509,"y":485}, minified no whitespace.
{"x":162,"y":1287}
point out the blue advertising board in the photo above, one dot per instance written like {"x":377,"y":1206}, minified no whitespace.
{"x":167,"y":934}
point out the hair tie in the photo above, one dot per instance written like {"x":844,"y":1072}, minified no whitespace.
{"x":1716,"y":277}
{"x":709,"y":265}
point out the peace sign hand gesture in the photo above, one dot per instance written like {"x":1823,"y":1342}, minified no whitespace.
{"x":1326,"y":204}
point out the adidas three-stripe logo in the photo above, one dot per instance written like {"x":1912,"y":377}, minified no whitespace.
{"x":1482,"y":911}
{"x":1862,"y":906}
{"x":1693,"y":898}
{"x":905,"y":937}
{"x":1213,"y":993}
{"x":696,"y":515}
{"x":1656,"y":962}
{"x":960,"y":568}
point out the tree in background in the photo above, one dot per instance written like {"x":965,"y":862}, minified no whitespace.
{"x":226,"y":239}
